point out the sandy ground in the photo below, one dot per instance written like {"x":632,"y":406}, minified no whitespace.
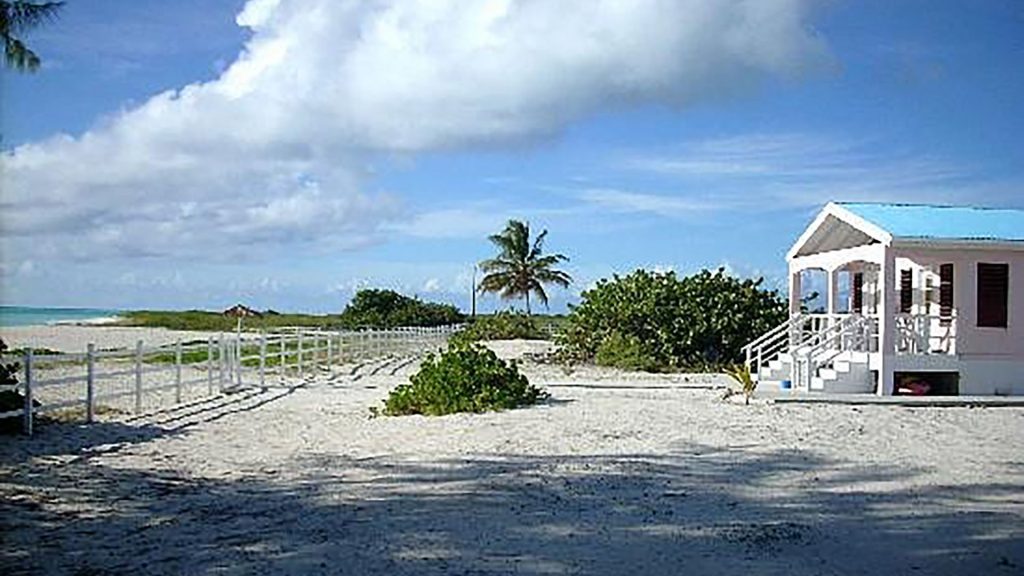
{"x":73,"y":339}
{"x":616,"y":474}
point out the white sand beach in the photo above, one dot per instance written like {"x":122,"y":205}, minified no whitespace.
{"x":74,"y":338}
{"x":617,"y":474}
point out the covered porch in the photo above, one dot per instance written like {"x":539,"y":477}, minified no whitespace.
{"x":886,"y":310}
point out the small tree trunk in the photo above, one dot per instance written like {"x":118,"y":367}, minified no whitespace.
{"x":527,"y":303}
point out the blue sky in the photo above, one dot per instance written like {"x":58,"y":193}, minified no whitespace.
{"x":285,"y":153}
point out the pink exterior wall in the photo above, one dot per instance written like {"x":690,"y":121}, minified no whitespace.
{"x":974,"y":342}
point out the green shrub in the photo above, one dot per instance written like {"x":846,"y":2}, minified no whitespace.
{"x":374,"y":308}
{"x":625,"y":351}
{"x":462,"y":379}
{"x":507,"y":325}
{"x":10,"y":400}
{"x":659,"y":322}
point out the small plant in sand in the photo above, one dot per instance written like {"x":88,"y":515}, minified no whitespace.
{"x":463,"y":379}
{"x":741,"y":374}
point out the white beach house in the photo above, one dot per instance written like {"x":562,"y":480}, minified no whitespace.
{"x":919,"y":299}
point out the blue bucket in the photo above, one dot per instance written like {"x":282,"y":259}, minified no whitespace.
{"x":785,"y":384}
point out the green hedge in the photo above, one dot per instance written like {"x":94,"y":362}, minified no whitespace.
{"x":657,"y":322}
{"x":388,"y":309}
{"x":507,"y":325}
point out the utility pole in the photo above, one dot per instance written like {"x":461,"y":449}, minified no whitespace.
{"x":472,"y":295}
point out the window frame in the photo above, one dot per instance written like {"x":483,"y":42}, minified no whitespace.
{"x":990,"y":312}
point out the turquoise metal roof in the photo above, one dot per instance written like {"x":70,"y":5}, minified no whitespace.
{"x":942,"y":222}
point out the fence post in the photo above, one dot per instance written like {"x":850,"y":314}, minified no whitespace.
{"x":90,"y":382}
{"x":299,"y":355}
{"x":209,"y":365}
{"x":238,"y":361}
{"x":329,"y":350}
{"x":28,"y":392}
{"x":282,"y":366}
{"x":177,"y":371}
{"x":220,"y":362}
{"x":138,"y":376}
{"x":263,"y":359}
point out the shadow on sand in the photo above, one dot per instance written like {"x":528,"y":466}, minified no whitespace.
{"x":696,"y":510}
{"x":80,"y":440}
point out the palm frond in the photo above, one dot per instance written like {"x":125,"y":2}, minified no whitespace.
{"x":548,"y":261}
{"x":20,"y":16}
{"x":17,"y":17}
{"x":497,"y":264}
{"x":538,"y":289}
{"x":19,"y":57}
{"x":554,"y":277}
{"x":538,"y":246}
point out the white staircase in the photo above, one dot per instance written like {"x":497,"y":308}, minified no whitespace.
{"x":815,"y":355}
{"x":846,"y":373}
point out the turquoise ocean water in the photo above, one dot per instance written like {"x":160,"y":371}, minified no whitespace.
{"x":29,"y":316}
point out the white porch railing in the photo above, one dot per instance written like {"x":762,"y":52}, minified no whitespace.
{"x":769,"y":345}
{"x":849,"y":333}
{"x":925,"y":334}
{"x":801,"y":331}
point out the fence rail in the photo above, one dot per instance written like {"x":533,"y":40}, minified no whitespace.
{"x":141,"y":377}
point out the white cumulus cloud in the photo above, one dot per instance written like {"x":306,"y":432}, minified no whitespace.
{"x":277,"y":150}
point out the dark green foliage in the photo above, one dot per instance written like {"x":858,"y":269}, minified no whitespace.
{"x":507,"y":325}
{"x":624,"y":351}
{"x":463,"y":379}
{"x":8,"y":371}
{"x":656,"y":321}
{"x":375,"y":308}
{"x":521,"y":268}
{"x":10,"y":400}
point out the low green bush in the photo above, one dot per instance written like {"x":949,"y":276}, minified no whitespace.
{"x":507,"y":325}
{"x":10,"y":400}
{"x":463,"y":379}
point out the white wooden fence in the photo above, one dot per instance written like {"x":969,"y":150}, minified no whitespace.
{"x":145,"y":378}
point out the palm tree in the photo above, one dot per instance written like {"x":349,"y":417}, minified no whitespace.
{"x":520,"y":268}
{"x":17,"y":17}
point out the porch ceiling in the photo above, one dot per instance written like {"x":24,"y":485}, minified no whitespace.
{"x":833,"y":234}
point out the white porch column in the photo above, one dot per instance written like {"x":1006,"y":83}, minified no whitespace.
{"x":794,"y":290}
{"x":887,"y":309}
{"x":833,"y":291}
